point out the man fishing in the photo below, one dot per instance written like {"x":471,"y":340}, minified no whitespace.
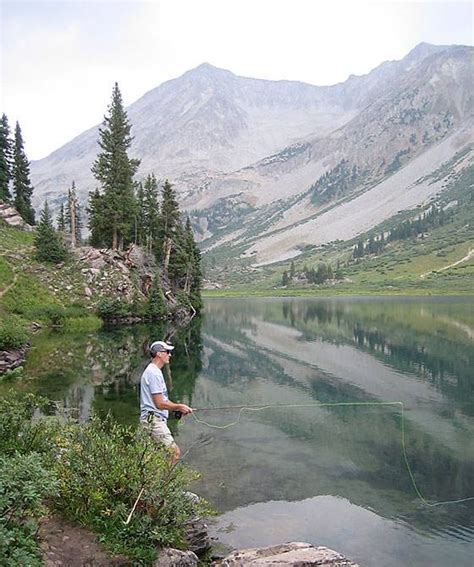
{"x":154,"y":402}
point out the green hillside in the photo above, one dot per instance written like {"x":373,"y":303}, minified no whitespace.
{"x":427,"y":250}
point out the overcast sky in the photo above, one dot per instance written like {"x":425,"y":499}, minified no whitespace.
{"x":60,"y":59}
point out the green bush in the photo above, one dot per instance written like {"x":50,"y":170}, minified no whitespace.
{"x":102,"y":468}
{"x":93,"y":474}
{"x":108,"y":308}
{"x":50,"y":314}
{"x":24,"y":483}
{"x":19,"y":433}
{"x":12,"y":332}
{"x":25,"y":478}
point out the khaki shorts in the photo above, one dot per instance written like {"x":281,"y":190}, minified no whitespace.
{"x":160,"y":432}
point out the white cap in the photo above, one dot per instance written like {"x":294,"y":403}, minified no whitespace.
{"x":160,"y":346}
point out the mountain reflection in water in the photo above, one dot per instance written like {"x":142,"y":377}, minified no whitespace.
{"x":328,"y":475}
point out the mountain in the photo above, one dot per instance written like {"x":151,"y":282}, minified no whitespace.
{"x":269,"y":168}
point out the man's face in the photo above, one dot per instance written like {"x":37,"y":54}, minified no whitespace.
{"x":165,"y":357}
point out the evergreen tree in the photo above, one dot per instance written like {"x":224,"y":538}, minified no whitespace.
{"x":139,"y":227}
{"x":292,"y":270}
{"x":73,"y":216}
{"x":193,"y":281}
{"x":156,"y":308}
{"x":100,"y":235}
{"x":61,"y":219}
{"x":284,"y":279}
{"x":21,"y":180}
{"x":168,"y":225}
{"x":5,"y":159}
{"x":78,"y":224}
{"x":49,"y":247}
{"x":115,"y":170}
{"x":151,"y":214}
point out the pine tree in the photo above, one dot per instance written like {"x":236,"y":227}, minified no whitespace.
{"x":115,"y":170}
{"x":139,"y":227}
{"x":151,"y":215}
{"x":73,"y":216}
{"x":156,"y":308}
{"x":100,"y":235}
{"x":5,"y":159}
{"x":61,"y":219}
{"x":193,"y":274}
{"x":78,"y":224}
{"x":168,"y":224}
{"x":21,"y":180}
{"x":292,"y":270}
{"x":49,"y":247}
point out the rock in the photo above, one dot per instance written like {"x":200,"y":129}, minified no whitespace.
{"x":296,"y":554}
{"x":13,"y":358}
{"x":10,"y":215}
{"x":169,"y":557}
{"x":197,"y":537}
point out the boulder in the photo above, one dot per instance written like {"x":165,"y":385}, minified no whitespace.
{"x":169,"y":557}
{"x":13,"y":358}
{"x":10,"y":215}
{"x":296,"y":554}
{"x":197,"y":537}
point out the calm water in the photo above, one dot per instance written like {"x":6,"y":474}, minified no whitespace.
{"x":331,"y":475}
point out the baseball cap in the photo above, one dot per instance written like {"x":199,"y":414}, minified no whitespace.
{"x":160,"y":346}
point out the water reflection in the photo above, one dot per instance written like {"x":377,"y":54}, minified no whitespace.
{"x":340,"y":467}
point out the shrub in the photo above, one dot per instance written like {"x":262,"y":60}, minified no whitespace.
{"x":25,"y":479}
{"x":50,"y":314}
{"x":19,"y":433}
{"x":12,"y":332}
{"x":102,"y":469}
{"x":24,"y":483}
{"x":108,"y":308}
{"x":92,"y":473}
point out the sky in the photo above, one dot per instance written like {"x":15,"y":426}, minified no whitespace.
{"x":60,"y":59}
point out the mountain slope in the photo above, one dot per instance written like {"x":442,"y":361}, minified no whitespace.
{"x":269,"y":167}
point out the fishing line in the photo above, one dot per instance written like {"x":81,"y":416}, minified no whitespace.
{"x":257,"y":408}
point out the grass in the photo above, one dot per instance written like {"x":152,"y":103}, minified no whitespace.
{"x":28,"y":297}
{"x":6,"y":273}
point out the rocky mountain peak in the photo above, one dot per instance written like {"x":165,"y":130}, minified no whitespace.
{"x":423,"y":50}
{"x":207,"y":72}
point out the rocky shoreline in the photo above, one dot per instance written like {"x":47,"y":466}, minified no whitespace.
{"x":293,"y":554}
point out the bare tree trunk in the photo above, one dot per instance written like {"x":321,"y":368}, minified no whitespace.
{"x":114,"y":238}
{"x":187,"y":281}
{"x":166,"y":252}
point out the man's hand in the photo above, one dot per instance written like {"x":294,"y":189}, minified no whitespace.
{"x":184,"y":409}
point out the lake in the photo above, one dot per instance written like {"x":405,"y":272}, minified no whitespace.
{"x":325,"y":463}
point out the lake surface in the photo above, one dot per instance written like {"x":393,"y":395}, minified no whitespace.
{"x":314,"y":470}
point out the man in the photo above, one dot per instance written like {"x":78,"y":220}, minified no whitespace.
{"x":154,"y":402}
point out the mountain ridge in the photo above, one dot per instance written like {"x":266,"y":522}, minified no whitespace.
{"x":241,"y":144}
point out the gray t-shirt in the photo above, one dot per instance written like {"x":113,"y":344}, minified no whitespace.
{"x":152,"y":382}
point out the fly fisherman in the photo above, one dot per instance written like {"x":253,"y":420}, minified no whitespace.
{"x":154,"y":402}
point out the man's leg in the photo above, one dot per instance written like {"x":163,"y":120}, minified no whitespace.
{"x":161,"y":434}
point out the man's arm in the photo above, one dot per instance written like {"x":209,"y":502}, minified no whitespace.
{"x":163,"y":404}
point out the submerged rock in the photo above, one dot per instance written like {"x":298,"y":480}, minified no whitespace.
{"x":296,"y":554}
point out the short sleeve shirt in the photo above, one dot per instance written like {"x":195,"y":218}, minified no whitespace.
{"x":152,"y":382}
